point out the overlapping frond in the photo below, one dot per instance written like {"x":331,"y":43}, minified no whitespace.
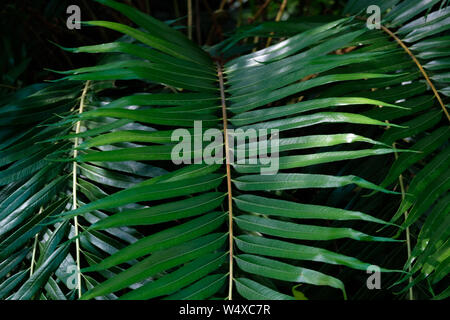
{"x":147,"y":228}
{"x":418,"y":32}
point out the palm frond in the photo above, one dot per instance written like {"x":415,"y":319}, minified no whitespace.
{"x":93,"y":185}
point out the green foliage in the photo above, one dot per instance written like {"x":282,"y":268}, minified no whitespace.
{"x":144,"y":228}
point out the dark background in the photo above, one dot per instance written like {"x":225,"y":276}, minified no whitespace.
{"x":28,"y":26}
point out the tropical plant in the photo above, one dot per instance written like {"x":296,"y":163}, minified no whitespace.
{"x":87,"y":181}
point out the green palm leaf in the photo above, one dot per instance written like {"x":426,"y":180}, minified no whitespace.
{"x":106,"y":198}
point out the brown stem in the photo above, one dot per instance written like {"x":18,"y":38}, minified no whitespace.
{"x":278,"y":18}
{"x":260,"y":11}
{"x":190,"y":18}
{"x":230,"y":196}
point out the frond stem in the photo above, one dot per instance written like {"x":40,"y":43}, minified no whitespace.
{"x":33,"y":255}
{"x":190,"y":19}
{"x":277,"y":18}
{"x":230,"y":196}
{"x":74,"y":187}
{"x":408,"y":238}
{"x":222,"y":4}
{"x":260,"y":11}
